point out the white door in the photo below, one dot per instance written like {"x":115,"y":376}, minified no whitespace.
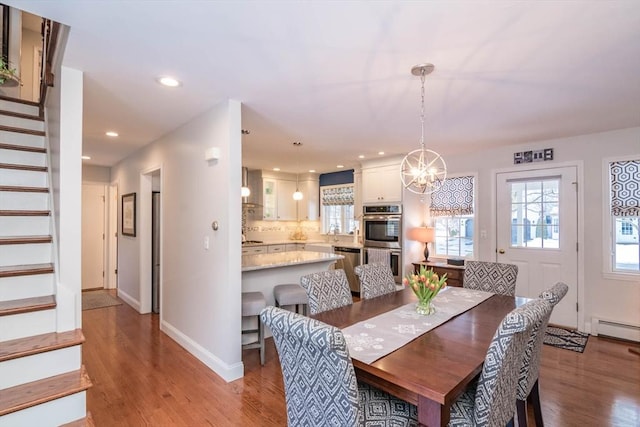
{"x":537,"y":220}
{"x":93,"y":236}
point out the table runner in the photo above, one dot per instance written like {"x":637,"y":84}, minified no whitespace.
{"x":374,"y":338}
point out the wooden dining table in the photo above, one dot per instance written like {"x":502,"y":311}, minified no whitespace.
{"x":435,"y":368}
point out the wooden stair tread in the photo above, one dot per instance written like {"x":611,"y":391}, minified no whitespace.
{"x":21,"y":130}
{"x":82,"y":422}
{"x":36,"y":344}
{"x":24,"y":213}
{"x":30,"y":168}
{"x":20,"y":189}
{"x":18,"y":240}
{"x":19,"y":101}
{"x":22,"y":148}
{"x":21,"y":115}
{"x":26,"y":305}
{"x":37,"y":392}
{"x":25,"y":269}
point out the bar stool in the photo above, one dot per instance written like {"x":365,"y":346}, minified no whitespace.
{"x":291,"y":294}
{"x":252,"y":305}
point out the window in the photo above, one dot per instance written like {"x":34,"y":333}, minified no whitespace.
{"x":624,"y":194}
{"x":534,"y":214}
{"x":452,"y":211}
{"x":337,"y":209}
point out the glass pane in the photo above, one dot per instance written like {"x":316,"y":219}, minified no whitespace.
{"x":534,"y":191}
{"x":467,"y":249}
{"x":534,"y":214}
{"x":551,"y":190}
{"x":517,"y":192}
{"x":627,"y":249}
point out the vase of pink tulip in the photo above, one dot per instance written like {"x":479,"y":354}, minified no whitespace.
{"x":425,"y":285}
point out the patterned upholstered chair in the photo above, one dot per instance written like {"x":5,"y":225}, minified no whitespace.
{"x":375,"y":280}
{"x":491,"y":402}
{"x":319,"y":381}
{"x":491,"y":277}
{"x":528,"y":380}
{"x":326,"y":290}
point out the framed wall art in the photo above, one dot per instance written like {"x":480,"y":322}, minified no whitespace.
{"x":129,"y":215}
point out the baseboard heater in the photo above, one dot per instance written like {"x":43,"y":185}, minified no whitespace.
{"x":612,"y":328}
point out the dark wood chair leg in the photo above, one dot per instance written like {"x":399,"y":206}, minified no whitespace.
{"x":534,"y":399}
{"x":521,"y":407}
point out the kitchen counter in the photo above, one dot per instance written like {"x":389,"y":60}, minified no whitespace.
{"x":285,"y":259}
{"x":345,"y":244}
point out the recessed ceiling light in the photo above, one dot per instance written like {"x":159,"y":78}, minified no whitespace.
{"x":276,"y":169}
{"x":86,"y":157}
{"x":339,"y":166}
{"x":169,"y":81}
{"x":380,"y":153}
{"x":312,"y":170}
{"x":361,"y":156}
{"x":111,"y":133}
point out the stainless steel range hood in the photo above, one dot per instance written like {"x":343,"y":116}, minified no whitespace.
{"x":249,"y":202}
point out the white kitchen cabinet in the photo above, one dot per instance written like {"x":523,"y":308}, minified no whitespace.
{"x":253,"y":250}
{"x":308,"y":207}
{"x":381,"y":184}
{"x":277,"y":199}
{"x":295,"y":247}
{"x":271,"y":249}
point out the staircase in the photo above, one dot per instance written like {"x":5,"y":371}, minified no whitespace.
{"x":42,"y":379}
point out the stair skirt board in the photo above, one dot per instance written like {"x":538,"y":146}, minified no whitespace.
{"x":52,"y":413}
{"x":19,"y":287}
{"x":27,"y":324}
{"x":30,"y":140}
{"x":33,"y":253}
{"x":38,"y":366}
{"x":23,"y":178}
{"x":23,"y":225}
{"x":19,"y":107}
{"x":18,"y":201}
{"x":18,"y":157}
{"x":21,"y":122}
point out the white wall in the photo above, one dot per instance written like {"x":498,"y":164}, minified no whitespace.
{"x":91,"y":173}
{"x":200,"y":289}
{"x":604,"y":297}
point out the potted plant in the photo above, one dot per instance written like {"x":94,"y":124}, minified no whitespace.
{"x":8,"y":74}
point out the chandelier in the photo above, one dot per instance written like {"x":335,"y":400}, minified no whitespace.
{"x":298,"y":194}
{"x":422,"y":171}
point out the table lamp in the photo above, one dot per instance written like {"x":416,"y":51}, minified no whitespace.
{"x":424,"y":235}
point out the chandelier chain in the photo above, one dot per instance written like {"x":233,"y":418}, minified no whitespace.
{"x":422,"y":78}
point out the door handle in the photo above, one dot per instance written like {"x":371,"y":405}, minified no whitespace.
{"x":501,"y":251}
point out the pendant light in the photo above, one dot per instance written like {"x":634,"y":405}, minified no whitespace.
{"x":422,"y":171}
{"x":298,"y":194}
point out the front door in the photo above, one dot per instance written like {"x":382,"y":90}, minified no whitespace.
{"x":537,"y":229}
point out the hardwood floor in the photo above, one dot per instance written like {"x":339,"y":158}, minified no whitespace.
{"x":141,"y":377}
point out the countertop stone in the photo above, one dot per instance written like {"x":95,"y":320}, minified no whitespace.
{"x":284,"y":259}
{"x":323,"y":242}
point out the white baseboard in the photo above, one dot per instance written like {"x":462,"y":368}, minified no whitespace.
{"x":129,"y":300}
{"x":227,"y":372}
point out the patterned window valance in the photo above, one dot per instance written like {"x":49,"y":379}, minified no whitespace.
{"x":625,"y":188}
{"x":454,"y":197}
{"x":337,"y":195}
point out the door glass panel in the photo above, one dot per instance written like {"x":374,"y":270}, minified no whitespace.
{"x":534,"y":214}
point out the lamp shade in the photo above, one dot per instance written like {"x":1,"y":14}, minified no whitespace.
{"x":422,"y":234}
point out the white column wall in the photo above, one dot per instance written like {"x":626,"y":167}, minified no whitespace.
{"x":200,"y":288}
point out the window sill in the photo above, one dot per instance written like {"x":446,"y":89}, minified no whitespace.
{"x":626,"y":277}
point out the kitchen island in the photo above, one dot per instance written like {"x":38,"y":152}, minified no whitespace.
{"x":262,"y":272}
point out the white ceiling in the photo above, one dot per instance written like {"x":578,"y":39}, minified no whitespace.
{"x":336,"y":75}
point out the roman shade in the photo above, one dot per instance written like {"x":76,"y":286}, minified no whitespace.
{"x":625,"y":188}
{"x":337,"y":195}
{"x":454,"y":197}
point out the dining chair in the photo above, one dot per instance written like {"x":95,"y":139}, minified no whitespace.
{"x":491,"y":277}
{"x":375,"y":279}
{"x":326,"y":290}
{"x":491,"y":400}
{"x":528,"y":390}
{"x":320,"y":384}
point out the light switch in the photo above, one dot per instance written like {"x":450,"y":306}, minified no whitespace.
{"x":206,"y":243}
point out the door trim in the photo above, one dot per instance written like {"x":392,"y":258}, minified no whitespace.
{"x":579,"y":165}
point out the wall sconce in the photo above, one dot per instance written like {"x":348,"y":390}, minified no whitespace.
{"x":425,"y":235}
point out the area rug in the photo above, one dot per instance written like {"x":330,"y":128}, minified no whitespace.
{"x":98,"y":299}
{"x":566,"y":339}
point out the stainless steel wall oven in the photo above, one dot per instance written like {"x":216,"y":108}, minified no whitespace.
{"x":382,"y":225}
